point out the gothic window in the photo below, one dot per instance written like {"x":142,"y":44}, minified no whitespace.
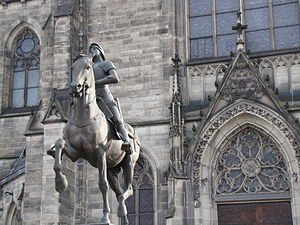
{"x":140,"y":205}
{"x":269,"y":28}
{"x":26,"y":73}
{"x":13,"y":215}
{"x":251,"y":163}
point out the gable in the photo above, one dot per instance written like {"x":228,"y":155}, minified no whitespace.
{"x":243,"y":81}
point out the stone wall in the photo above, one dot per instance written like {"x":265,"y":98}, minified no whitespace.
{"x":12,"y":141}
{"x":138,"y":38}
{"x":35,"y":15}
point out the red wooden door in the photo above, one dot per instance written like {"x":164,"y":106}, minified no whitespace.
{"x":269,"y":213}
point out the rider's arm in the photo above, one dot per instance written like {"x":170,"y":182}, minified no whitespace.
{"x":111,"y":78}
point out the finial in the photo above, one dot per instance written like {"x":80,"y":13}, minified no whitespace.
{"x":176,"y":80}
{"x":176,"y":60}
{"x":240,"y":28}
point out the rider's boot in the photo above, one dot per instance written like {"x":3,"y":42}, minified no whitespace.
{"x":126,"y":145}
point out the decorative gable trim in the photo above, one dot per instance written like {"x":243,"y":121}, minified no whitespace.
{"x":58,"y":109}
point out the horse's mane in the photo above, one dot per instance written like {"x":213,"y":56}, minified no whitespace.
{"x":79,"y":56}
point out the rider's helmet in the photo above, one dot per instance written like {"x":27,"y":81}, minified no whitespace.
{"x":99,"y":47}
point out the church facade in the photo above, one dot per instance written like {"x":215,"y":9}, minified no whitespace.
{"x":211,"y":87}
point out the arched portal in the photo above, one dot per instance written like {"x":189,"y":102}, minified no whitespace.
{"x":252,"y":182}
{"x":226,"y":127}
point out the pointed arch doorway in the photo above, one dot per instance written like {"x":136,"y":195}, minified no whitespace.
{"x":252,"y":182}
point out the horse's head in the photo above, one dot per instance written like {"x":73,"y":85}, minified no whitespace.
{"x":82,"y":75}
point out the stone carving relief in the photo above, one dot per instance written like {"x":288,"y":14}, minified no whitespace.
{"x":250,"y":162}
{"x":242,"y":84}
{"x":195,"y":71}
{"x":267,"y":72}
{"x":220,"y":72}
{"x":265,"y":64}
{"x":206,"y":70}
{"x":214,"y":125}
{"x":204,"y":81}
{"x":281,"y":61}
{"x":295,"y":60}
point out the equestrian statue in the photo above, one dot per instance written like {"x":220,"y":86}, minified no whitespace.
{"x":95,"y":131}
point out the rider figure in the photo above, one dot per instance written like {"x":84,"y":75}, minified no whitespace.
{"x":105,"y":73}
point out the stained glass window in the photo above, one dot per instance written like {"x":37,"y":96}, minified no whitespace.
{"x":26,"y":72}
{"x":140,"y":205}
{"x":269,"y":27}
{"x":250,"y":163}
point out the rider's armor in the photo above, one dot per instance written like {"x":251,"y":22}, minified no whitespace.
{"x":101,"y":70}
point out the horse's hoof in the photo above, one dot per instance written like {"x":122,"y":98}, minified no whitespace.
{"x":105,"y":219}
{"x":122,"y":210}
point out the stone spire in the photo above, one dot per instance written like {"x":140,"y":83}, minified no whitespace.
{"x":240,"y":44}
{"x":177,"y":128}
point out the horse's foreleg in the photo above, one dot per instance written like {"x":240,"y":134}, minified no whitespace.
{"x":61,"y":182}
{"x":103,"y":184}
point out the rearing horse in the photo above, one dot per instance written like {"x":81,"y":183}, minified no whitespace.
{"x":89,"y":135}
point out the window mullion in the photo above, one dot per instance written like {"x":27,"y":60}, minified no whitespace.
{"x":137,"y":206}
{"x":214,"y":27}
{"x":11,"y":85}
{"x":271,"y":24}
{"x":26,"y":83}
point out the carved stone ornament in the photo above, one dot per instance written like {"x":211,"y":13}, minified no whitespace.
{"x":243,"y":84}
{"x":218,"y":121}
{"x":250,"y":162}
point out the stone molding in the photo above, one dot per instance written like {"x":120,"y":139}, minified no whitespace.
{"x":213,"y":125}
{"x":242,"y":84}
{"x":217,"y":69}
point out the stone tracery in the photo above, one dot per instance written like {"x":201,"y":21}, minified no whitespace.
{"x":251,"y":162}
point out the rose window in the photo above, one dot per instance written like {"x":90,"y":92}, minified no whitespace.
{"x":251,"y":162}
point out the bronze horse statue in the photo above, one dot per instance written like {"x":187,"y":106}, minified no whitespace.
{"x":89,"y":135}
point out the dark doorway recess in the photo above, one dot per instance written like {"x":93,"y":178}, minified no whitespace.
{"x":266,"y":213}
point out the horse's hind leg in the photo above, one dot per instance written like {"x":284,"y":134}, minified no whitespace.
{"x":114,"y":183}
{"x":61,"y":182}
{"x":128,"y":176}
{"x":112,"y":177}
{"x":103,"y":184}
